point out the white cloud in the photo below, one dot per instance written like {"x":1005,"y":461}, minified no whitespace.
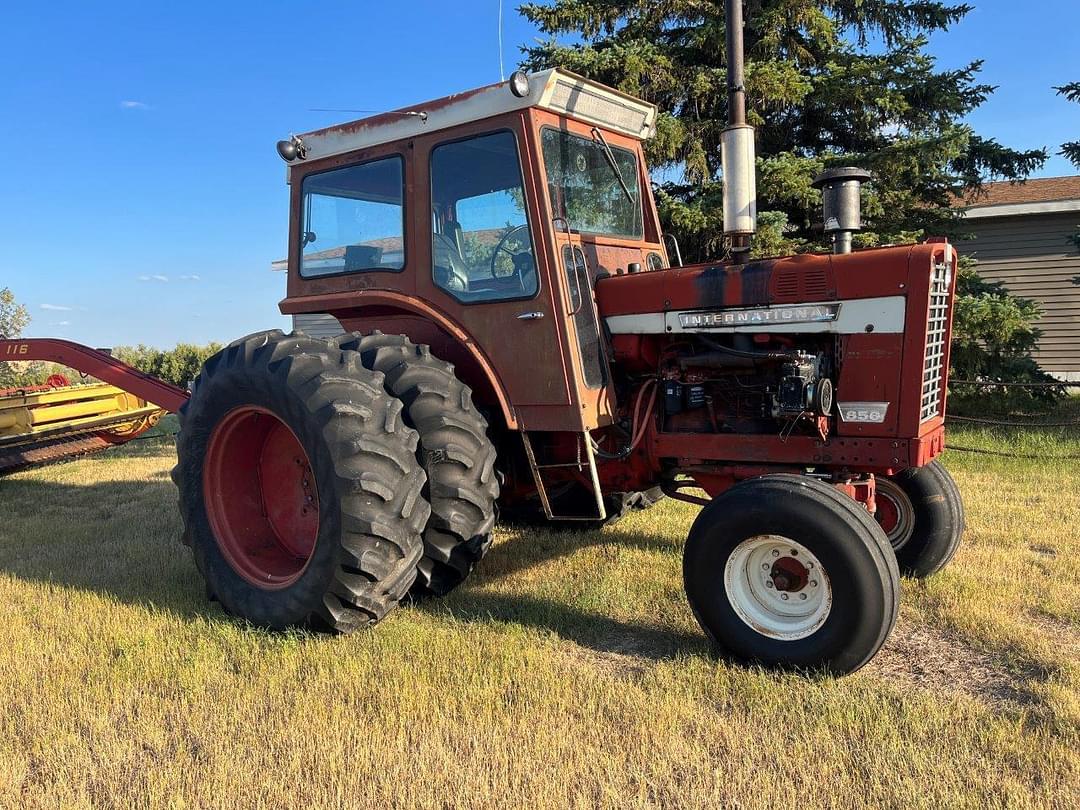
{"x":134,"y":105}
{"x":192,"y":277}
{"x":160,"y":278}
{"x":62,"y":323}
{"x":56,"y":308}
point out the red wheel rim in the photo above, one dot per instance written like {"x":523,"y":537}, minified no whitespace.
{"x":261,"y":498}
{"x":888,"y":516}
{"x":894,"y":514}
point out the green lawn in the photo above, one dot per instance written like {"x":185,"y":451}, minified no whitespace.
{"x":567,"y":672}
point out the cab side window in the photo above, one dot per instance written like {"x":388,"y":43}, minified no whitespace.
{"x":481,"y":246}
{"x":354,"y":219}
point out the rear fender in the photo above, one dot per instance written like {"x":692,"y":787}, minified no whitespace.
{"x":448,"y":340}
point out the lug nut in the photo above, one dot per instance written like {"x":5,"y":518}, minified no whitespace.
{"x":783,"y":596}
{"x":802,"y":595}
{"x":764,"y":566}
{"x":775,"y":553}
{"x":813,"y":583}
{"x":768,"y":583}
{"x":794,"y":553}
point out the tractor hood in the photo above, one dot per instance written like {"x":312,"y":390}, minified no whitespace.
{"x":857,"y":292}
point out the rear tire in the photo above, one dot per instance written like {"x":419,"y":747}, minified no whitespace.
{"x":299,"y":488}
{"x":454,"y":449}
{"x":922,"y":514}
{"x":791,"y":536}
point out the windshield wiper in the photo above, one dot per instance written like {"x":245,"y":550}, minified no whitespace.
{"x":599,"y":137}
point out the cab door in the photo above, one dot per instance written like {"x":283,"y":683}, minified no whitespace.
{"x":486,"y":266}
{"x":580,"y":308}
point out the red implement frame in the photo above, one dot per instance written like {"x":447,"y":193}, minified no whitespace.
{"x":98,"y":365}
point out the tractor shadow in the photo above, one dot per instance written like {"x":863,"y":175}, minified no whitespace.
{"x":121,"y":539}
{"x":595,"y":631}
{"x":521,"y":548}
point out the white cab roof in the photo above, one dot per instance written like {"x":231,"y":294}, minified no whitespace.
{"x":556,"y":90}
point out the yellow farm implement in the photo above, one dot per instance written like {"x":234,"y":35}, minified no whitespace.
{"x":45,"y":423}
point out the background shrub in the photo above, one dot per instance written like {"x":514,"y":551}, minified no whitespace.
{"x":179,"y":365}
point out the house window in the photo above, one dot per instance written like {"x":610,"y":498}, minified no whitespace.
{"x":354,"y":219}
{"x":481,"y":246}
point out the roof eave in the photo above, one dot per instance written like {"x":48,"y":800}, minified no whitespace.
{"x":1021,"y":209}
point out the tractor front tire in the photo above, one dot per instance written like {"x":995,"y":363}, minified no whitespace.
{"x":454,"y":449}
{"x":922,"y":514}
{"x":787,"y":572}
{"x":299,"y":488}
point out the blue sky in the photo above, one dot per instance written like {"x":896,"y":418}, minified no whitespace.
{"x":141,"y":199}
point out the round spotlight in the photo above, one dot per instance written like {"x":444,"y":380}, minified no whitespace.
{"x":287,"y":150}
{"x":519,"y":83}
{"x":291,"y":149}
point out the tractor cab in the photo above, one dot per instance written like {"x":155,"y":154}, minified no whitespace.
{"x":479,"y":224}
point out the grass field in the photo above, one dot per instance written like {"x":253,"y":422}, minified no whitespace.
{"x":567,"y":672}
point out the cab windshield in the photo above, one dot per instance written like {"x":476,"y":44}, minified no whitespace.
{"x":585,"y":187}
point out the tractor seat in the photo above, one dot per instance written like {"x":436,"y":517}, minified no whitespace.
{"x":451,"y":272}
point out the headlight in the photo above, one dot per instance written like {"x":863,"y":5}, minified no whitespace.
{"x":292,"y":149}
{"x":519,"y":83}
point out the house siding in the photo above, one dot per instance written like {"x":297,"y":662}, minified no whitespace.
{"x":320,"y":326}
{"x":1034,"y":258}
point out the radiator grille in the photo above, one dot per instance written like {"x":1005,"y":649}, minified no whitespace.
{"x":936,"y":326}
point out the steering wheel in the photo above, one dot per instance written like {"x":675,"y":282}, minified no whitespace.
{"x":501,"y":246}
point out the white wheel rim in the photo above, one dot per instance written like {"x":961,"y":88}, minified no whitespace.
{"x":778,"y":587}
{"x":904,"y":528}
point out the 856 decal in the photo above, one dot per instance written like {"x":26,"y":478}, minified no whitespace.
{"x":872,"y":413}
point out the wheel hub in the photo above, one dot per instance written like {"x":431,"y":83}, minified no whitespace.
{"x":788,"y":574}
{"x":778,"y":587}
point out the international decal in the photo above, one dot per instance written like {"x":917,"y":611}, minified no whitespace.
{"x":715,"y":319}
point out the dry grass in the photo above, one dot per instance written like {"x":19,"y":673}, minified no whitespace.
{"x":567,"y":673}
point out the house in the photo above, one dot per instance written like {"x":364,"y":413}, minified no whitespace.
{"x":1024,"y":235}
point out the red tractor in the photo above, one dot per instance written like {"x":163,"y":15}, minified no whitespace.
{"x":517,"y":340}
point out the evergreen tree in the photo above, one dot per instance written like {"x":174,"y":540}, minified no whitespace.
{"x":1071,"y":149}
{"x":833,"y":82}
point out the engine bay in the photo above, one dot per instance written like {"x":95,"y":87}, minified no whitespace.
{"x":748,"y":384}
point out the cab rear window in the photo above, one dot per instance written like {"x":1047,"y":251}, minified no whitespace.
{"x":354,"y":219}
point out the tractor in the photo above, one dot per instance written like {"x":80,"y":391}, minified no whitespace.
{"x":519,"y":339}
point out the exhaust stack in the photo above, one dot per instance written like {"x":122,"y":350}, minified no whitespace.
{"x":842,"y":203}
{"x":737,"y":141}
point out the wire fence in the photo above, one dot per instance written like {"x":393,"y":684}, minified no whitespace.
{"x":1035,"y":422}
{"x":999,"y":384}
